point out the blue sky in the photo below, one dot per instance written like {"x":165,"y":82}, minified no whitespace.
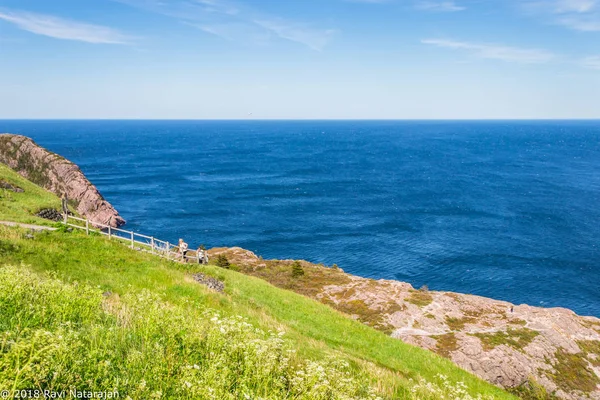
{"x":305,"y":59}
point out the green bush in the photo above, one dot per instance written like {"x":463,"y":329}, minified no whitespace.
{"x":297,"y":269}
{"x":222,"y":261}
{"x":532,"y":390}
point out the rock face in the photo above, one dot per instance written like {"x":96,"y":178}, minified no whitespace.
{"x":506,"y":344}
{"x":57,"y":175}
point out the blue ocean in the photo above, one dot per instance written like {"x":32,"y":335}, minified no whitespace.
{"x":509,"y":210}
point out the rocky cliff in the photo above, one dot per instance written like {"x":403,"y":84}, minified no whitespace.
{"x":57,"y":175}
{"x":540,"y":353}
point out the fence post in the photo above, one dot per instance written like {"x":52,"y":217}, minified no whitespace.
{"x":168,"y":250}
{"x":109,"y":233}
{"x":66,"y":218}
{"x":87,"y":226}
{"x":152,"y":244}
{"x":132,"y":242}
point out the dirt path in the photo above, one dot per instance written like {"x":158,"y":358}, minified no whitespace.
{"x":28,"y":226}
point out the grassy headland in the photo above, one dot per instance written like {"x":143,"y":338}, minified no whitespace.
{"x":84,"y":312}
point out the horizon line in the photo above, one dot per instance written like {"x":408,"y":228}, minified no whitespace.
{"x":305,"y":119}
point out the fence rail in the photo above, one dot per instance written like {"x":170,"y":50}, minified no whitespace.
{"x":135,"y":240}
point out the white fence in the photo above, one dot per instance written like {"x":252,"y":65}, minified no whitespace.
{"x":135,"y":240}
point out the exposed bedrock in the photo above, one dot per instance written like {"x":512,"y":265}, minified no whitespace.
{"x":58,"y":175}
{"x":506,"y":344}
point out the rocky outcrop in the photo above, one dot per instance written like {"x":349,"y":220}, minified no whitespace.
{"x":57,"y":175}
{"x":51,"y":214}
{"x":512,"y":346}
{"x":209,"y":282}
{"x":10,"y":187}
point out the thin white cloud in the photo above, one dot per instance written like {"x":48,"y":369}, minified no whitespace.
{"x":235,"y":32}
{"x":592,"y":62}
{"x":495,"y":51}
{"x":578,"y":6}
{"x":232,"y":21}
{"x":439,"y":6}
{"x":581,"y":23}
{"x":313,"y":38}
{"x":60,"y":28}
{"x":579,"y":15}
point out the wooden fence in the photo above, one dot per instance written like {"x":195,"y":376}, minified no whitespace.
{"x":135,"y":240}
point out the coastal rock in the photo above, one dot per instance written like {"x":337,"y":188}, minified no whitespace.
{"x":10,"y":187}
{"x":51,"y":214}
{"x":209,"y":282}
{"x":508,"y":345}
{"x":57,"y":175}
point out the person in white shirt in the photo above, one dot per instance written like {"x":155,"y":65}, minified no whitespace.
{"x":202,"y":255}
{"x":183,"y":248}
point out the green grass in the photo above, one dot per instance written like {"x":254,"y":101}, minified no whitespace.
{"x":572,"y":372}
{"x":589,"y":347}
{"x":58,"y":335}
{"x":532,"y":390}
{"x":22,"y":207}
{"x":446,"y":344}
{"x":420,"y":298}
{"x":281,"y":274}
{"x":516,"y":338}
{"x":458,"y":324}
{"x":318,"y":333}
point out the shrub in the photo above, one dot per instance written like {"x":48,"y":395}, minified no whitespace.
{"x":222,"y":261}
{"x":297,"y":269}
{"x":420,"y":298}
{"x":532,"y":390}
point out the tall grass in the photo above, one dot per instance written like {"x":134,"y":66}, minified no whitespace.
{"x":60,"y":336}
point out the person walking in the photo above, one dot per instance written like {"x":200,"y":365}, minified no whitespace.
{"x":183,"y":249}
{"x":202,"y":255}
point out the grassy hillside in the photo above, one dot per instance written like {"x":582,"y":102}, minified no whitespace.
{"x":83,"y":312}
{"x":22,"y":207}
